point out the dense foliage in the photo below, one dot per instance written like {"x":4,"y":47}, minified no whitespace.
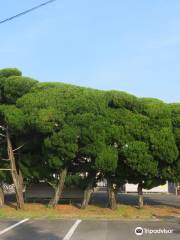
{"x":79,"y":136}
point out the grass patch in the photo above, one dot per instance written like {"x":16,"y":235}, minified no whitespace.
{"x":41,"y":211}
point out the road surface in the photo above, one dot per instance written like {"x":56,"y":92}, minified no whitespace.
{"x":88,"y":230}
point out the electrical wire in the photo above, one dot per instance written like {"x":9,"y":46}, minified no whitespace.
{"x":26,"y":11}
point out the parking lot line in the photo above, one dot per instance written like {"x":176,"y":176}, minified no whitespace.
{"x":72,"y":230}
{"x":13,"y":226}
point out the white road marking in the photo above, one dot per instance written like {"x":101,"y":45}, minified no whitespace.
{"x":72,"y":230}
{"x":13,"y":226}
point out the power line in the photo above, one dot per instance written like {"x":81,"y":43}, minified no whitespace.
{"x":26,"y":11}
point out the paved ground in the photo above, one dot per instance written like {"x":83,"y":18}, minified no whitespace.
{"x":87,"y":230}
{"x":97,"y":230}
{"x":130,"y":199}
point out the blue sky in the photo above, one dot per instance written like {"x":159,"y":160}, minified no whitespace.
{"x":131,"y":45}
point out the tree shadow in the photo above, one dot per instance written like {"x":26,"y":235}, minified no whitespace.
{"x":149,"y":199}
{"x":11,"y":205}
{"x":101,"y":199}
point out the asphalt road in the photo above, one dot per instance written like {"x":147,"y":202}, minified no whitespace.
{"x":132,"y":199}
{"x":88,"y":230}
{"x":129,"y":198}
{"x":97,"y":230}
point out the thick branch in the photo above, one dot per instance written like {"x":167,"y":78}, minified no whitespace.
{"x":14,"y":150}
{"x":5,"y":169}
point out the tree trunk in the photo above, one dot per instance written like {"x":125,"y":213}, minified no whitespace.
{"x":140,"y":196}
{"x":21,"y":180}
{"x":87,"y":195}
{"x":116,"y":193}
{"x":1,"y":196}
{"x":16,"y":179}
{"x":111,"y":195}
{"x":59,"y":188}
